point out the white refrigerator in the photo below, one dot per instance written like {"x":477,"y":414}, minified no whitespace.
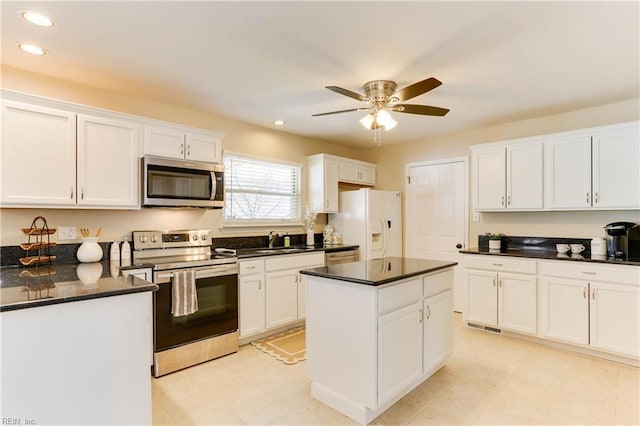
{"x":371,"y":219}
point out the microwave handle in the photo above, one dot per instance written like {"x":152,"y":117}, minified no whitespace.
{"x":214,"y":186}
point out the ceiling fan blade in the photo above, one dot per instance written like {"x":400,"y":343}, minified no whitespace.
{"x":339,"y":112}
{"x":348,"y":93}
{"x":420,"y":109}
{"x":416,"y":89}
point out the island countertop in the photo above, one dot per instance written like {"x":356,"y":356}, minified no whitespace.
{"x":22,"y":288}
{"x":376,"y":272}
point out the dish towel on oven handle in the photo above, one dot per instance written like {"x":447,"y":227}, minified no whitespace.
{"x":184,"y":297}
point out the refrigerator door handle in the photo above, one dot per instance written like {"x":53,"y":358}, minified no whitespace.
{"x":384,"y":237}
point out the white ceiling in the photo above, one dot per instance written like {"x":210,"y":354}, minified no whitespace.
{"x":261,"y":61}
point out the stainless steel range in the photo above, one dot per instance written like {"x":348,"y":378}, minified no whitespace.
{"x":212,"y":330}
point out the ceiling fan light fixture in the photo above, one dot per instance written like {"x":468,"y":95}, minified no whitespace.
{"x":384,"y":119}
{"x":367,"y":121}
{"x":37,"y":19}
{"x":33,"y":49}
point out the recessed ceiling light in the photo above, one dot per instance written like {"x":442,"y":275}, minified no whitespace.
{"x":279,"y":123}
{"x":30,"y":48}
{"x":37,"y":19}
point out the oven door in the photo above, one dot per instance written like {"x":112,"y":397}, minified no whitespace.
{"x":217,"y":290}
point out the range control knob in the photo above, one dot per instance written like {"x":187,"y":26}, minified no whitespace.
{"x":154,"y":238}
{"x":194,"y":237}
{"x":143,"y":238}
{"x":203,"y":237}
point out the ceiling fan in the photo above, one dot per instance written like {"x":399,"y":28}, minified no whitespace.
{"x":382,"y":97}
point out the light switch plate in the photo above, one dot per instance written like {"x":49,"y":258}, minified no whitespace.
{"x":476,"y":216}
{"x":66,"y":233}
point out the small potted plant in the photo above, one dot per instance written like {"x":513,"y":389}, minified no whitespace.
{"x":495,"y":240}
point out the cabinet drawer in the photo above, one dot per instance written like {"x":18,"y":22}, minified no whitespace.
{"x":399,"y":295}
{"x":248,"y":267}
{"x":500,"y":264}
{"x":437,"y":283}
{"x":294,"y":261}
{"x":624,"y":274}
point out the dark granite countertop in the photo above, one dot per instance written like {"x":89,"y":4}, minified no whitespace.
{"x":376,"y":272}
{"x":548,"y":255}
{"x":22,"y":288}
{"x":244,"y":253}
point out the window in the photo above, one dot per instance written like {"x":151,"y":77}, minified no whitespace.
{"x":261,"y":192}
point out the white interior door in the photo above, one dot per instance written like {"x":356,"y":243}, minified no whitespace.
{"x":436,"y":215}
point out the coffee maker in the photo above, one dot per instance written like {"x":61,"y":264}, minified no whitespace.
{"x":623,"y":240}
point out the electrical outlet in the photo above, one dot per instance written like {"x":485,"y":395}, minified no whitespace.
{"x":476,"y":217}
{"x":66,"y":233}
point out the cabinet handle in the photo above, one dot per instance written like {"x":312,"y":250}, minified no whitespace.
{"x":421,"y":315}
{"x":497,"y":264}
{"x":182,"y":149}
{"x":502,"y":201}
{"x":588,"y":273}
{"x":428,"y":312}
{"x":327,"y":203}
{"x":72,"y":193}
{"x":509,"y":200}
{"x":584,"y":293}
{"x":493,"y":281}
{"x":588,"y":199}
{"x":593,"y":294}
{"x":251,"y":267}
{"x":188,"y":150}
{"x":259,"y":284}
{"x":596,"y":198}
{"x":82,"y":193}
{"x":500,"y":283}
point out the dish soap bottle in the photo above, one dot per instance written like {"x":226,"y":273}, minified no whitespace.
{"x":125,"y":253}
{"x":114,"y":253}
{"x":287,"y":240}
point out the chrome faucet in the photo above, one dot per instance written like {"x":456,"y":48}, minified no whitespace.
{"x":272,"y":238}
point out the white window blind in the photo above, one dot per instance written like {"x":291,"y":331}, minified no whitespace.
{"x":259,"y":191}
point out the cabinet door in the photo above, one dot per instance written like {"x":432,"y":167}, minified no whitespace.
{"x":330,"y":186}
{"x":399,"y":351}
{"x":302,"y":294}
{"x":164,"y":142}
{"x":203,"y":147}
{"x":615,"y":318}
{"x":322,"y":183}
{"x":281,"y":298}
{"x":518,"y":303}
{"x":38,"y":156}
{"x":482,"y":297}
{"x":251,"y":301}
{"x":108,"y":157}
{"x":568,"y":172}
{"x":525,"y":165}
{"x":565,"y":310}
{"x":490,"y":174}
{"x":367,"y":175}
{"x":348,"y":172}
{"x":438,"y":330}
{"x":616,"y":167}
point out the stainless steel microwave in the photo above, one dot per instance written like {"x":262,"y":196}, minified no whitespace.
{"x":181,"y":183}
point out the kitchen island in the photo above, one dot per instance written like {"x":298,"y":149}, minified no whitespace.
{"x":376,"y":329}
{"x":76,"y":345}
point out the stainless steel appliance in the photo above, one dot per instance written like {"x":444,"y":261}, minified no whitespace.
{"x":211,"y":331}
{"x":623,"y":240}
{"x":337,"y":257}
{"x":179,"y":183}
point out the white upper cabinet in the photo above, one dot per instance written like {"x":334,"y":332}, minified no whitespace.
{"x":108,"y":158}
{"x":38,"y":156}
{"x":177,"y":142}
{"x":357,"y":172}
{"x":616,"y":167}
{"x":595,"y":168}
{"x":324,"y":173}
{"x":509,"y":177}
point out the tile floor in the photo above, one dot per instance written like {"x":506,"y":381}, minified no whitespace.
{"x":489,"y":379}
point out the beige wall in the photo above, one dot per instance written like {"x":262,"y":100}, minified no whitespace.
{"x":243,"y":137}
{"x":391,"y":160}
{"x":240,"y":137}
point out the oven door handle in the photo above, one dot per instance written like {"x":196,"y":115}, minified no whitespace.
{"x":165,"y":277}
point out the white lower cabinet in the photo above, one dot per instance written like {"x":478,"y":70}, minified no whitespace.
{"x":272,"y":291}
{"x":593,"y":305}
{"x":281,"y":298}
{"x":399,"y":350}
{"x":437,"y":330}
{"x":506,"y":300}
